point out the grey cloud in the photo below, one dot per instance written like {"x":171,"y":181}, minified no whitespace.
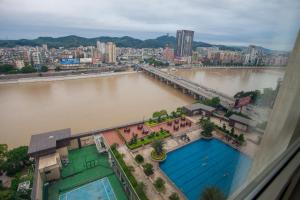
{"x":271,"y":23}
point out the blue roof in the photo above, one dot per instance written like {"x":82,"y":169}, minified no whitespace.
{"x":69,"y":61}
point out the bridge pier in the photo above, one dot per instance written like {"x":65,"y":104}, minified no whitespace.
{"x":184,"y":91}
{"x":175,"y":86}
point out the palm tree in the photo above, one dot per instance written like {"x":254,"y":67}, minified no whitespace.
{"x":212,"y":193}
{"x":158,"y":146}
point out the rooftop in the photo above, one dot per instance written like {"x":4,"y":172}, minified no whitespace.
{"x":48,"y":160}
{"x":241,"y":119}
{"x":85,"y":166}
{"x":45,"y":141}
{"x":197,"y":106}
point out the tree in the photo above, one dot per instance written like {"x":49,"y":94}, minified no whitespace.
{"x":159,"y":184}
{"x":215,"y":101}
{"x":139,"y":158}
{"x":148,"y":169}
{"x":156,"y":114}
{"x":140,"y":188}
{"x":6,"y":195}
{"x":28,"y":69}
{"x":163,"y":112}
{"x":208,"y":127}
{"x":44,"y":69}
{"x":15,"y":160}
{"x":241,"y":138}
{"x":212,"y":193}
{"x":174,"y":196}
{"x":173,"y":114}
{"x":6,"y":69}
{"x":133,"y":139}
{"x":158,"y":146}
{"x":3,"y":151}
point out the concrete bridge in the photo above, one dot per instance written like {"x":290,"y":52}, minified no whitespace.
{"x":188,"y":87}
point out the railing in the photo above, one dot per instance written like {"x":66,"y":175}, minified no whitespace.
{"x":189,"y":85}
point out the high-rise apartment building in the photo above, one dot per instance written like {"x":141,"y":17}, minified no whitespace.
{"x":101,"y":47}
{"x":168,"y":54}
{"x":110,"y":52}
{"x":184,"y":42}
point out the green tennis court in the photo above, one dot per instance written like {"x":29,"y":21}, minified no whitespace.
{"x":86,"y":166}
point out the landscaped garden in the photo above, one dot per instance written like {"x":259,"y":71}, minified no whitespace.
{"x":138,"y":142}
{"x":209,"y":126}
{"x":230,"y":135}
{"x":163,"y":116}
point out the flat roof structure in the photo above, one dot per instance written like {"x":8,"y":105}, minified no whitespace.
{"x":199,"y":106}
{"x":241,"y":120}
{"x":48,"y":160}
{"x":47,"y":141}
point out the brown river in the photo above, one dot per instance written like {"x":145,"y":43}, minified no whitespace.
{"x":94,"y":103}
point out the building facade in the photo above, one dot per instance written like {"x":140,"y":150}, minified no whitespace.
{"x":184,"y":42}
{"x":111,"y":54}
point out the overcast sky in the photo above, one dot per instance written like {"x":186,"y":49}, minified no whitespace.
{"x":269,"y":23}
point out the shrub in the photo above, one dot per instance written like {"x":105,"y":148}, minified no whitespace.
{"x":148,"y":169}
{"x":28,"y":69}
{"x":159,"y":184}
{"x":44,"y":68}
{"x":174,"y":196}
{"x":133,"y":139}
{"x":140,"y":188}
{"x":139,"y":158}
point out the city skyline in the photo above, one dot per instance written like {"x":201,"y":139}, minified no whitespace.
{"x":229,"y":23}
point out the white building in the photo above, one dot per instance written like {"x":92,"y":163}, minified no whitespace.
{"x":101,"y":47}
{"x":19,"y":64}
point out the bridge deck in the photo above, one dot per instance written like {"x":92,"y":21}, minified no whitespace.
{"x":191,"y":86}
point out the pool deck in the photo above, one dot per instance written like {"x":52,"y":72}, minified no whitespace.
{"x":172,"y":144}
{"x":77,"y":173}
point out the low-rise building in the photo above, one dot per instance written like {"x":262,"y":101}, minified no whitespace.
{"x":240,"y":122}
{"x":199,"y":109}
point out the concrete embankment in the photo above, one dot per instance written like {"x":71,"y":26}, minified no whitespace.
{"x":62,"y":77}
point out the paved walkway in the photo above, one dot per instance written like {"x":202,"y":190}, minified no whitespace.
{"x":139,"y":174}
{"x":170,"y":144}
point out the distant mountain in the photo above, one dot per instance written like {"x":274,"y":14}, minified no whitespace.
{"x":126,"y":41}
{"x":75,"y":41}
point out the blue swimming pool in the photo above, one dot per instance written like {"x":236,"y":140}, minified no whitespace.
{"x":206,"y":163}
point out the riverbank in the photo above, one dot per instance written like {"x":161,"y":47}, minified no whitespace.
{"x":226,"y":67}
{"x":65,"y":77}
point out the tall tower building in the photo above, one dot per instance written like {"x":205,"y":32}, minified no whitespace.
{"x":110,"y":52}
{"x":101,"y":47}
{"x":184,"y":42}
